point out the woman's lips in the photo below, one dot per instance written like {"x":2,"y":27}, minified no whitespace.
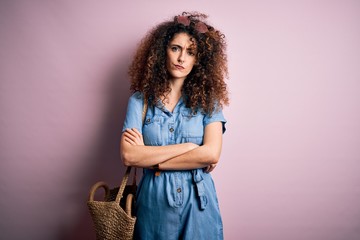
{"x":179,"y":67}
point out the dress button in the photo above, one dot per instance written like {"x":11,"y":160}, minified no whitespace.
{"x":171,"y":129}
{"x":148,"y":120}
{"x":179,"y":190}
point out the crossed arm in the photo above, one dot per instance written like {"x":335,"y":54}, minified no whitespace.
{"x":183,"y":156}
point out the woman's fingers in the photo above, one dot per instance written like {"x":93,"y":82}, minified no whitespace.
{"x":129,"y":141}
{"x":134,"y":136}
{"x":129,"y":136}
{"x":210,"y":168}
{"x":136,"y":132}
{"x":131,"y":132}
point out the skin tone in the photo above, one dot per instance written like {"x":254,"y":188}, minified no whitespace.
{"x":181,"y":57}
{"x":180,"y":61}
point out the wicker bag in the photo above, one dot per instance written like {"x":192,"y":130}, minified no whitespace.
{"x":113,"y":218}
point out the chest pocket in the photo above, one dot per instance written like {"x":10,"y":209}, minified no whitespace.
{"x":192,"y":127}
{"x":152,"y":130}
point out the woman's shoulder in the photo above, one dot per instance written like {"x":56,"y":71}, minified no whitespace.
{"x":137,"y":98}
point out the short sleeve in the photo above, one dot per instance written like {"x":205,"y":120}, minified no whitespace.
{"x":133,"y":118}
{"x":216,"y":116}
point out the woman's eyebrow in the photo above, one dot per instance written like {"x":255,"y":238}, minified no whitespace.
{"x":191,"y":47}
{"x":175,"y":45}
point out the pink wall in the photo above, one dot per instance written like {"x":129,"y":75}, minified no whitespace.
{"x":291,"y":157}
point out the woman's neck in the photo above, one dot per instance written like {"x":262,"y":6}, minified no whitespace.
{"x":175,"y":94}
{"x":176,"y":85}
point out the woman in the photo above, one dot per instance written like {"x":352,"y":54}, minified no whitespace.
{"x":178,"y":71}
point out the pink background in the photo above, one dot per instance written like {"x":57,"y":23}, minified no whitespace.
{"x":290,"y":167}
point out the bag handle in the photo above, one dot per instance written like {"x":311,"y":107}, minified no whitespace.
{"x":128,"y":170}
{"x":144,"y":110}
{"x":95,"y":187}
{"x":128,"y":205}
{"x":123,"y":184}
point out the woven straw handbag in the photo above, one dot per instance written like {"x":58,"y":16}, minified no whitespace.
{"x":113,"y":218}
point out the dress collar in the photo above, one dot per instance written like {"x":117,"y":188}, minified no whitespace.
{"x":159,"y":104}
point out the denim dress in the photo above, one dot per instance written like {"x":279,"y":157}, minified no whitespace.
{"x":175,"y":204}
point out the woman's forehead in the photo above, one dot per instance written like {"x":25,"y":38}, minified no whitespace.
{"x":183,"y":39}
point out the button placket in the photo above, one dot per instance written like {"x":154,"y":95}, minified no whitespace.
{"x":178,"y":187}
{"x":171,"y":128}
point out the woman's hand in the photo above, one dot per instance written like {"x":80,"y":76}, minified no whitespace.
{"x":210,"y":168}
{"x":133,"y":136}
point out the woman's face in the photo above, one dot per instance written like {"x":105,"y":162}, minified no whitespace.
{"x":181,"y":53}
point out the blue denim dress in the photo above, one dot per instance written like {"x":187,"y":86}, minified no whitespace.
{"x":176,"y":204}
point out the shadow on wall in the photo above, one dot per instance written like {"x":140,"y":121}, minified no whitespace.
{"x":105,"y":158}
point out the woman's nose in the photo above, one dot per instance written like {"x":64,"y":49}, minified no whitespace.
{"x":181,"y":57}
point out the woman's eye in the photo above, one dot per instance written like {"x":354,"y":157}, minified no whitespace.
{"x":191,"y":53}
{"x":174,"y":49}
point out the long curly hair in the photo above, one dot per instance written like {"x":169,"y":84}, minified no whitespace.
{"x":204,"y":88}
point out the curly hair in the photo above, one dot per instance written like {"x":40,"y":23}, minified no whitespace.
{"x":204,"y":87}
